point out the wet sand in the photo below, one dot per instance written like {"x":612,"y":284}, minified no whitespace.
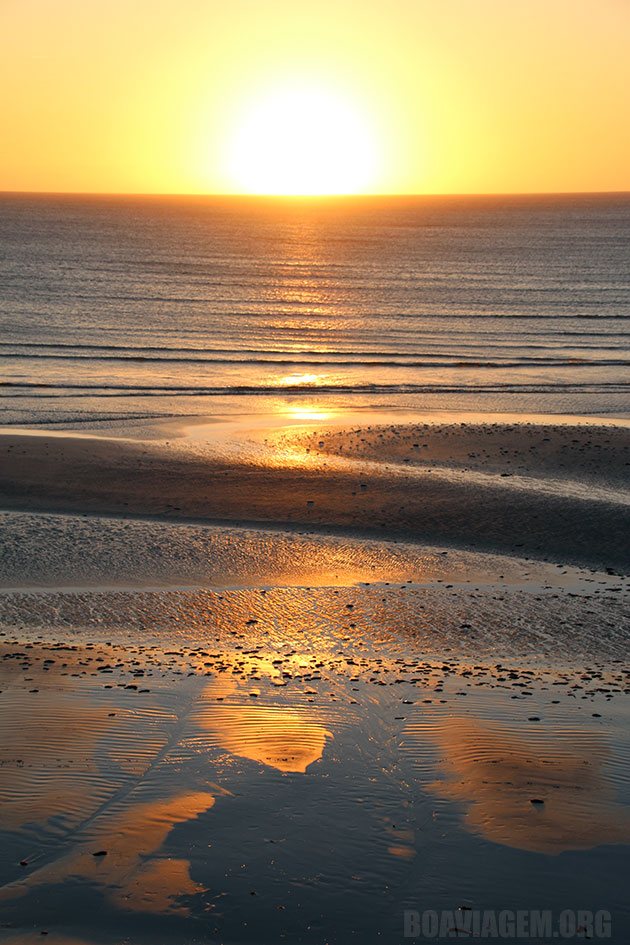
{"x":223,"y":791}
{"x":551,"y":492}
{"x":285,"y":691}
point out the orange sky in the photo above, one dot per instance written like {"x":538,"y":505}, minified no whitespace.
{"x":402,"y":96}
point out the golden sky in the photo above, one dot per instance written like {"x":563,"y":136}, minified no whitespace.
{"x":375,"y":96}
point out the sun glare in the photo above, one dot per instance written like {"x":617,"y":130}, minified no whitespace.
{"x":299,"y":380}
{"x":303,"y":140}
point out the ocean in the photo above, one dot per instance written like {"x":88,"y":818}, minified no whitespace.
{"x":119,"y":308}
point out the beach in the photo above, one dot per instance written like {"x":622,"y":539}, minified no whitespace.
{"x":535,"y":488}
{"x":270,"y":679}
{"x":314,"y":472}
{"x":314,"y":569}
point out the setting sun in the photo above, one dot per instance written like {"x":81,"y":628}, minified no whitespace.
{"x":304,"y":139}
{"x":332,"y":97}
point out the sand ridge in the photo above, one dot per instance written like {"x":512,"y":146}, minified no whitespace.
{"x":287,"y":482}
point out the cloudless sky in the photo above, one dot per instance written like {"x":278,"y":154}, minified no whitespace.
{"x":455,"y":95}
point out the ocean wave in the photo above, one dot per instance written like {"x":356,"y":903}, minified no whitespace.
{"x":16,"y":345}
{"x":430,"y":362}
{"x":47,"y":389}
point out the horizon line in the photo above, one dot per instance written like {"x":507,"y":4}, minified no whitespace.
{"x":314,"y":197}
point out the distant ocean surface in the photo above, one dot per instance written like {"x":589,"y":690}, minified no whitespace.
{"x":120,"y":308}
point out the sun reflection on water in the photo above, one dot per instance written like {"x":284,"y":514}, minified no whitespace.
{"x":289,"y":738}
{"x":300,"y":380}
{"x":308,"y":414}
{"x":542,"y":793}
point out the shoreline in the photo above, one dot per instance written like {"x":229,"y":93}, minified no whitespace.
{"x":241,"y":418}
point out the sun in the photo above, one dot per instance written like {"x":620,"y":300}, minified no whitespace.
{"x":303,"y":140}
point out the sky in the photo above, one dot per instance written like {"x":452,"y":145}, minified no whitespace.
{"x":315,"y":96}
